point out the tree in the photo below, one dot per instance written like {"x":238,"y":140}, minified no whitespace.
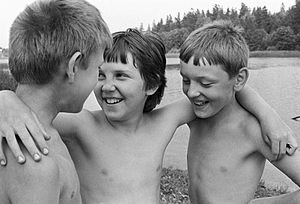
{"x":174,"y":38}
{"x":257,"y":40}
{"x":190,"y":19}
{"x":283,"y":38}
{"x":141,"y":28}
{"x":178,"y":21}
{"x":293,"y":16}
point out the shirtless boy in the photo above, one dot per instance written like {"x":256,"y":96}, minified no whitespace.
{"x":118,"y":151}
{"x":56,"y":69}
{"x":226,"y":152}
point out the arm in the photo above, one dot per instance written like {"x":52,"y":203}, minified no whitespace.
{"x":180,"y":112}
{"x":275,"y":132}
{"x":17,"y":119}
{"x":290,"y":166}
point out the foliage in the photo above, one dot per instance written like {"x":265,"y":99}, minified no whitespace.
{"x":257,"y":41}
{"x":174,"y":187}
{"x":174,"y":38}
{"x":283,"y":38}
{"x":258,"y":24}
{"x":7,"y":82}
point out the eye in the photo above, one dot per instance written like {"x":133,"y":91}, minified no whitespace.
{"x":186,"y":81}
{"x":206,"y":84}
{"x":121,"y":75}
{"x":101,"y":76}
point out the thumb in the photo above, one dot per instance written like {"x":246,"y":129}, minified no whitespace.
{"x":292,"y":145}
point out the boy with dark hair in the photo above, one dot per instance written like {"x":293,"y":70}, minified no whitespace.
{"x":118,"y":151}
{"x":213,"y":67}
{"x":55,"y":49}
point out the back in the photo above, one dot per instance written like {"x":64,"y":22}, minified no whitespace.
{"x":223,"y":163}
{"x":52,"y":180}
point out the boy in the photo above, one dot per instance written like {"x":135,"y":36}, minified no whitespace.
{"x":213,"y":67}
{"x":55,"y":49}
{"x":118,"y":151}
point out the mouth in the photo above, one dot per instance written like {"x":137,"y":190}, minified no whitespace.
{"x":112,"y":101}
{"x":200,"y":103}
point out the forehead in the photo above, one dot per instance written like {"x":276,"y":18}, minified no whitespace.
{"x":202,"y":70}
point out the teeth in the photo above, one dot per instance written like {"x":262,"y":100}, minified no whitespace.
{"x":112,"y":100}
{"x":201,"y":103}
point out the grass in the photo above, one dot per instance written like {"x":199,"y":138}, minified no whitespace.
{"x":174,"y":187}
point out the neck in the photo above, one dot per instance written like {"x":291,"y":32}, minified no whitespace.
{"x":225,"y":114}
{"x":127,"y":127}
{"x":41,"y":100}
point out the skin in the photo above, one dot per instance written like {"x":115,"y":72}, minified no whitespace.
{"x":118,"y":151}
{"x":53,"y":180}
{"x":231,"y":171}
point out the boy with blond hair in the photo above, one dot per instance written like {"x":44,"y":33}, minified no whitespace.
{"x":55,"y":49}
{"x":226,"y":151}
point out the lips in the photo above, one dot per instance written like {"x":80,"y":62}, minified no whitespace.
{"x":112,"y":101}
{"x":200,"y":103}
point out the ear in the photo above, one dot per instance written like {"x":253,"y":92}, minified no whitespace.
{"x":150,"y":92}
{"x":73,"y":66}
{"x":241,"y":79}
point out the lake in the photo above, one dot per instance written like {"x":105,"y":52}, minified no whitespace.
{"x":277,"y":80}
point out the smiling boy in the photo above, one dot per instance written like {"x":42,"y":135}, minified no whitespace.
{"x":118,"y":151}
{"x":213,"y":67}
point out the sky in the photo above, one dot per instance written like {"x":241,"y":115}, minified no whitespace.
{"x":122,"y":14}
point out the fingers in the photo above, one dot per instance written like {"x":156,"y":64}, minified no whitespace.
{"x":290,"y":149}
{"x":39,"y":139}
{"x":28,"y":142}
{"x":292,"y":145}
{"x":13,"y":145}
{"x":282,"y":150}
{"x":2,"y":156}
{"x":40,"y":130}
{"x":275,"y":147}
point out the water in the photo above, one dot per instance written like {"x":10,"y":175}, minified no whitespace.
{"x":277,"y":80}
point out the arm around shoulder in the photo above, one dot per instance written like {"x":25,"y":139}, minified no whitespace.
{"x":180,"y":111}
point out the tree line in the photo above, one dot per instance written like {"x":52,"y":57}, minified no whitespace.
{"x":262,"y":29}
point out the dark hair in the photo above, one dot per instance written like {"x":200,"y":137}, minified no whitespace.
{"x":218,"y":43}
{"x":148,"y":53}
{"x":48,"y":32}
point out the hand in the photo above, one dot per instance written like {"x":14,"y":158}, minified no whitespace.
{"x":16,"y":119}
{"x":279,"y":136}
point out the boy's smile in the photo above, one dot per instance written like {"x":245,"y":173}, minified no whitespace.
{"x":120,"y":90}
{"x":112,"y":101}
{"x":208,"y":87}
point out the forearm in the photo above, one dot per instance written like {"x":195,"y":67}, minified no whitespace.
{"x":254,"y":103}
{"x":290,"y":198}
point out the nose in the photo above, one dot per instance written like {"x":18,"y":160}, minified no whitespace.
{"x":194,"y":90}
{"x":108,"y":85}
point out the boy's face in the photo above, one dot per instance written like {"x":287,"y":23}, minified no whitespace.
{"x":208,"y":87}
{"x":120,"y":90}
{"x":87,"y":79}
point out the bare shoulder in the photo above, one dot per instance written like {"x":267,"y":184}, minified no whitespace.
{"x":33,"y":179}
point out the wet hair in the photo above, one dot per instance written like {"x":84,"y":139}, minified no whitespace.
{"x":148,"y":53}
{"x":48,"y":32}
{"x":217,"y":43}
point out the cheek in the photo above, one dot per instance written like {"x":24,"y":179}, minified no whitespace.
{"x":97,"y":90}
